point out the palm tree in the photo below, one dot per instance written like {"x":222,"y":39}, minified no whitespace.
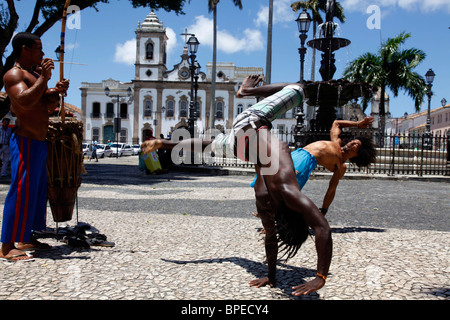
{"x":212,"y":7}
{"x":316,"y":6}
{"x":391,"y":68}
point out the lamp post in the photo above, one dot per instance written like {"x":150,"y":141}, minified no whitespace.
{"x":117,"y":123}
{"x":303,"y":23}
{"x":192,"y":47}
{"x":58,"y":53}
{"x":429,"y":78}
{"x":197,"y":68}
{"x":155,"y":121}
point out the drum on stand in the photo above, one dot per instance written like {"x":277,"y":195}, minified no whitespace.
{"x":64,"y":166}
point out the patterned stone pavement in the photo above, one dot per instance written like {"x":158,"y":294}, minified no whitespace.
{"x":191,"y":236}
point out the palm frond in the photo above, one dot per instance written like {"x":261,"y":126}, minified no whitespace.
{"x":411,"y":57}
{"x":392,"y":45}
{"x":312,"y":5}
{"x":416,"y":88}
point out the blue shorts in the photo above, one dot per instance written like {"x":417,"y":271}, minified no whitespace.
{"x":304,"y":164}
{"x":26,"y":203}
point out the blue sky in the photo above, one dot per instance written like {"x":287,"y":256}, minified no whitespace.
{"x":104,"y":39}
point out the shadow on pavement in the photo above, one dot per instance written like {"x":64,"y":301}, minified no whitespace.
{"x":355,"y":229}
{"x":286,"y":278}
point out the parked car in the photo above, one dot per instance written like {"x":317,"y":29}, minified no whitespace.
{"x":122,"y":148}
{"x":85,"y":149}
{"x":104,"y":150}
{"x":136,"y":149}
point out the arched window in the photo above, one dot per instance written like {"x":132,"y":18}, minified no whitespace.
{"x":110,"y":110}
{"x":148,"y":108}
{"x":123,"y":136}
{"x":240,"y":108}
{"x":124,"y":110}
{"x":170,"y":108}
{"x":183,"y":108}
{"x":95,"y":134}
{"x":149,"y":51}
{"x":96,"y":110}
{"x":219,"y":110}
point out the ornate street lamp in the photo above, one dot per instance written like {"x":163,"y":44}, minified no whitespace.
{"x":429,"y":78}
{"x":303,"y":23}
{"x":163,"y":110}
{"x":197,"y":68}
{"x":58,"y":53}
{"x":193,"y":44}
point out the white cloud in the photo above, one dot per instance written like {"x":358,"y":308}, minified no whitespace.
{"x":172,"y":42}
{"x":249,"y":40}
{"x":203,"y":30}
{"x":282,"y":13}
{"x":126,"y":52}
{"x":435,"y":5}
{"x":71,"y":46}
{"x":409,"y":5}
{"x":262,"y":16}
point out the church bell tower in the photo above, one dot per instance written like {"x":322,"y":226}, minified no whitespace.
{"x":151,"y":43}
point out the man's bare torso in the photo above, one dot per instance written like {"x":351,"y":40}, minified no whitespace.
{"x":327,"y":153}
{"x":32,"y":121}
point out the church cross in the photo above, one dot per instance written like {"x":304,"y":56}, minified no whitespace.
{"x":186,"y":34}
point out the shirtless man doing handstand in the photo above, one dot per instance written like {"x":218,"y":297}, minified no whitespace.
{"x":278,"y":193}
{"x":329,"y":154}
{"x":250,"y":138}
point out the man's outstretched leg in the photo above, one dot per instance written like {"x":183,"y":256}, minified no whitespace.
{"x":251,"y":87}
{"x":188,"y":144}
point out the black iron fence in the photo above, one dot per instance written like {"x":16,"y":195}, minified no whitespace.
{"x":397,"y":154}
{"x":413,"y":154}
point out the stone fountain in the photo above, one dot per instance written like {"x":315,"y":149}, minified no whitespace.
{"x":328,"y":93}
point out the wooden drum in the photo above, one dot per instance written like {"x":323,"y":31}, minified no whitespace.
{"x":64,"y":166}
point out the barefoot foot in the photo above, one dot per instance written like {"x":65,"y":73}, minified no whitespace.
{"x":15,"y":255}
{"x":33,"y":245}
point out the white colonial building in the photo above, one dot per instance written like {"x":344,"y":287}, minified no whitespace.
{"x":160,"y":97}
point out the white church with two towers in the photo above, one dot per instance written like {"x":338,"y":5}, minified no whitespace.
{"x":157,"y":100}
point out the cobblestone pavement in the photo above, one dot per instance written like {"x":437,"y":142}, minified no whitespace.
{"x":191,"y":236}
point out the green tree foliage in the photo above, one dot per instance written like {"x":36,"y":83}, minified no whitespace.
{"x":51,"y":11}
{"x":392,"y":67}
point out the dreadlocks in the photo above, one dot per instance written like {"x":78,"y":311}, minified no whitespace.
{"x":367,"y":153}
{"x":292,"y":231}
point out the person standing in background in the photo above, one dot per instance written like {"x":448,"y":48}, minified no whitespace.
{"x":5,"y":135}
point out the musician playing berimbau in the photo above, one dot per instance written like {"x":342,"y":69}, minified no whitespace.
{"x":31,"y":102}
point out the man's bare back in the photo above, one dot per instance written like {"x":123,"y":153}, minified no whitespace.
{"x":327,"y":154}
